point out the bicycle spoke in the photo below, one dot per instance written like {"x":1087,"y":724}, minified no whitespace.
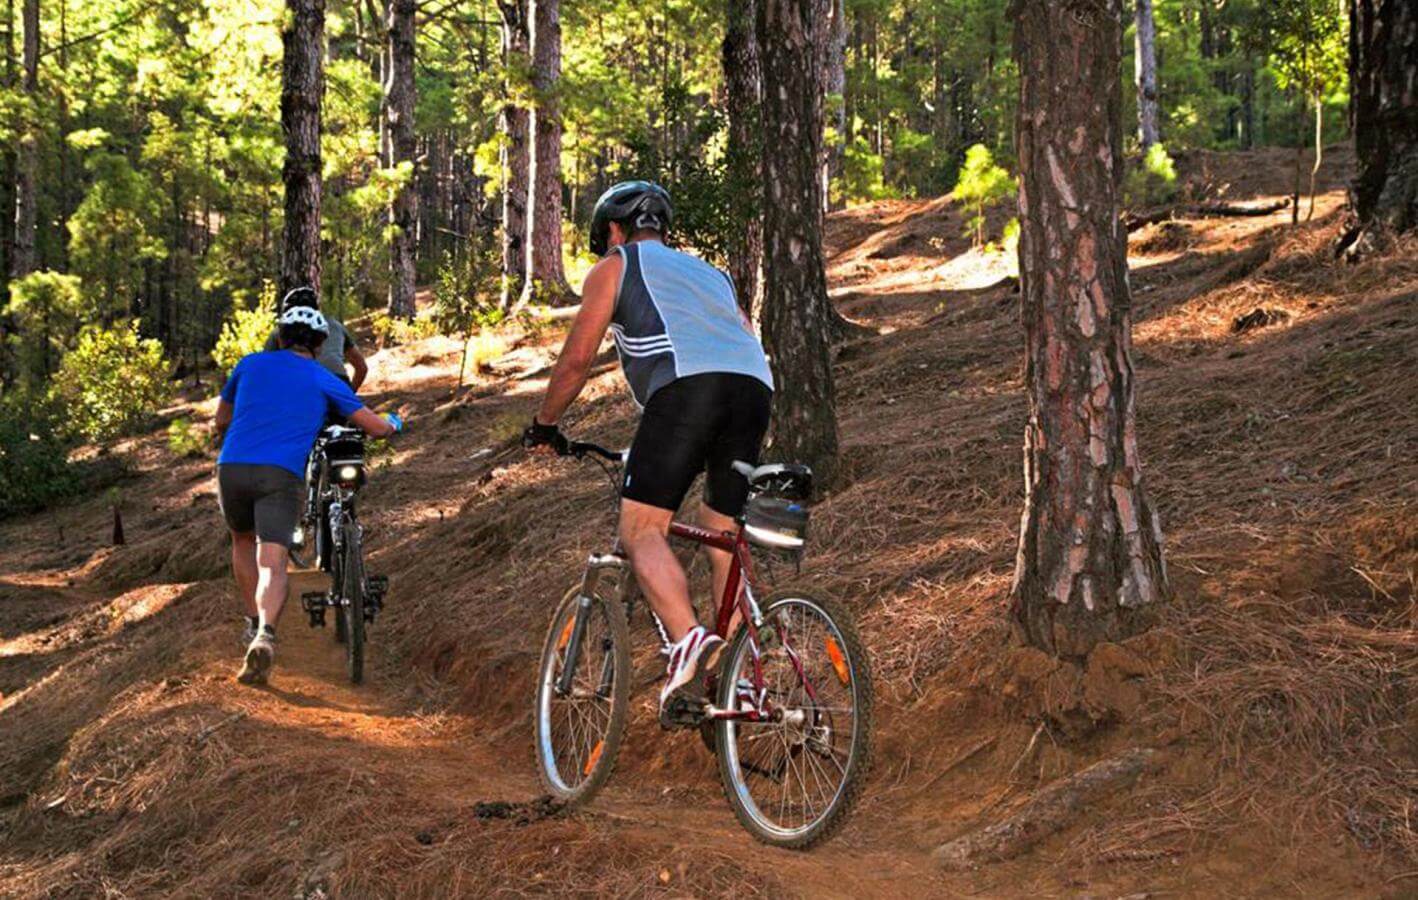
{"x":806,"y":747}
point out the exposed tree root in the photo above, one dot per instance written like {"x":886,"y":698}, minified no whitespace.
{"x":1046,"y":812}
{"x":1134,"y":222}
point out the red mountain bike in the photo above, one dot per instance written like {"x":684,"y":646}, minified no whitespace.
{"x":789,"y":711}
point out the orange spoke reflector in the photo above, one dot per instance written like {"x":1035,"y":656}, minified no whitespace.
{"x":839,"y":662}
{"x":595,"y":758}
{"x":565,"y":638}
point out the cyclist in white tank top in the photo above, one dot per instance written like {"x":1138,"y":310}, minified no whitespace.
{"x":698,"y":371}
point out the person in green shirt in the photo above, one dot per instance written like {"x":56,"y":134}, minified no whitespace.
{"x":339,"y":348}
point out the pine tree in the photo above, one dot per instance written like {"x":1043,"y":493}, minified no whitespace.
{"x":302,"y":83}
{"x":1383,"y":110}
{"x":796,"y":314}
{"x":546,"y":278}
{"x":400,"y":92}
{"x":742,"y":94}
{"x":514,"y":156}
{"x":1090,"y":543}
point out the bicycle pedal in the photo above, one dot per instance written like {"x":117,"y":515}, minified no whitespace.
{"x":314,"y":603}
{"x":682,"y":712}
{"x":377,"y":584}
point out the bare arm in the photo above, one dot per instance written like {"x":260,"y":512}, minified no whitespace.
{"x":579,"y":351}
{"x":223,"y":419}
{"x":371,"y":424}
{"x":361,"y":368}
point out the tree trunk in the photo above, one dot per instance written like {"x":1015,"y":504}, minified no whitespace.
{"x":22,"y":262}
{"x":743,"y":99}
{"x":1146,"y":72}
{"x":796,"y":314}
{"x":302,"y":81}
{"x":1319,"y":153}
{"x":1383,"y":111}
{"x":835,"y":87}
{"x":514,"y":156}
{"x":403,"y":142}
{"x":546,"y":279}
{"x":1090,"y":543}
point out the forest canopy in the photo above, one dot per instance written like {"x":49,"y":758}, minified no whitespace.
{"x":146,"y":146}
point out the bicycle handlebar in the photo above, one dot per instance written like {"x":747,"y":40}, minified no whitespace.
{"x":579,"y":449}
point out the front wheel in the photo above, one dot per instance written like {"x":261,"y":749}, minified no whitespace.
{"x":579,"y":728}
{"x":352,"y":605}
{"x":792,"y":778}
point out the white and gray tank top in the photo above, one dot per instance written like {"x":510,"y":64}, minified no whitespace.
{"x":677,"y":316}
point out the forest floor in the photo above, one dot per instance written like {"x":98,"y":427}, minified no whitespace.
{"x":1280,"y":688}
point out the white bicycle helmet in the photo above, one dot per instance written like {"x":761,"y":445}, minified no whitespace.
{"x":304,"y":315}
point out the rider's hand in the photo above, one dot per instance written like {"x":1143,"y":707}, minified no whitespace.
{"x":538,"y":435}
{"x":395,"y":420}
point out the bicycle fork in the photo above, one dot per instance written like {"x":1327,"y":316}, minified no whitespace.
{"x":590,"y":583}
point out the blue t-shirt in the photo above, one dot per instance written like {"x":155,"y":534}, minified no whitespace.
{"x":281,"y":400}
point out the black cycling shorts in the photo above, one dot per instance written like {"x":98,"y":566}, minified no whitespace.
{"x":263,"y":499}
{"x":698,"y":424}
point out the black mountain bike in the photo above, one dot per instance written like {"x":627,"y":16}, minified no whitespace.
{"x":334,"y":472}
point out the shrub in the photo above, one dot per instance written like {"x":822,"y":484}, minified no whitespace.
{"x":390,"y":330}
{"x":982,"y":185}
{"x":34,"y":466}
{"x":185,"y":439}
{"x":111,"y":381}
{"x":863,"y":175}
{"x":1152,"y":183}
{"x":245,"y":332}
{"x":47,"y":308}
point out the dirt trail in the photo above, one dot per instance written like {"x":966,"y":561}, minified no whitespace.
{"x":132,"y":764}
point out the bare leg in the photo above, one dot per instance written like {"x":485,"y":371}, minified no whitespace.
{"x":643,"y":533}
{"x":719,"y":560}
{"x":271,"y":581}
{"x":243,"y":567}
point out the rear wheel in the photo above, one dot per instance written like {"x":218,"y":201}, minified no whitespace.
{"x":792,"y":780}
{"x":351,"y":610}
{"x":578,"y":731}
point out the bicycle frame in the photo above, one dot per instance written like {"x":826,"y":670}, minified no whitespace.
{"x":737,"y":598}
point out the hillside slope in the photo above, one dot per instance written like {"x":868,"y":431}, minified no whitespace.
{"x":1281,"y":687}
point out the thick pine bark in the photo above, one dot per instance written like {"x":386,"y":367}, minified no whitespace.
{"x":546,"y":278}
{"x":743,"y":94}
{"x":796,"y":314}
{"x":1145,"y":70}
{"x":515,"y":155}
{"x":1090,"y":543}
{"x":1383,"y":110}
{"x":400,"y":96}
{"x":302,"y":81}
{"x":22,"y":260}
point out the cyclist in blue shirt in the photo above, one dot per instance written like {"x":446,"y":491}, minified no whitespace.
{"x":272,"y":408}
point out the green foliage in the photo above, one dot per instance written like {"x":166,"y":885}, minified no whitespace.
{"x":862,"y":175}
{"x":243,"y":333}
{"x":185,"y":439}
{"x":111,"y":381}
{"x":1152,"y":183}
{"x":111,"y":233}
{"x":47,"y":308}
{"x":389,"y":330}
{"x":982,"y":185}
{"x":34,"y":466}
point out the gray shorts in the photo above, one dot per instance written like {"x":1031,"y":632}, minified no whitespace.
{"x":263,"y":499}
